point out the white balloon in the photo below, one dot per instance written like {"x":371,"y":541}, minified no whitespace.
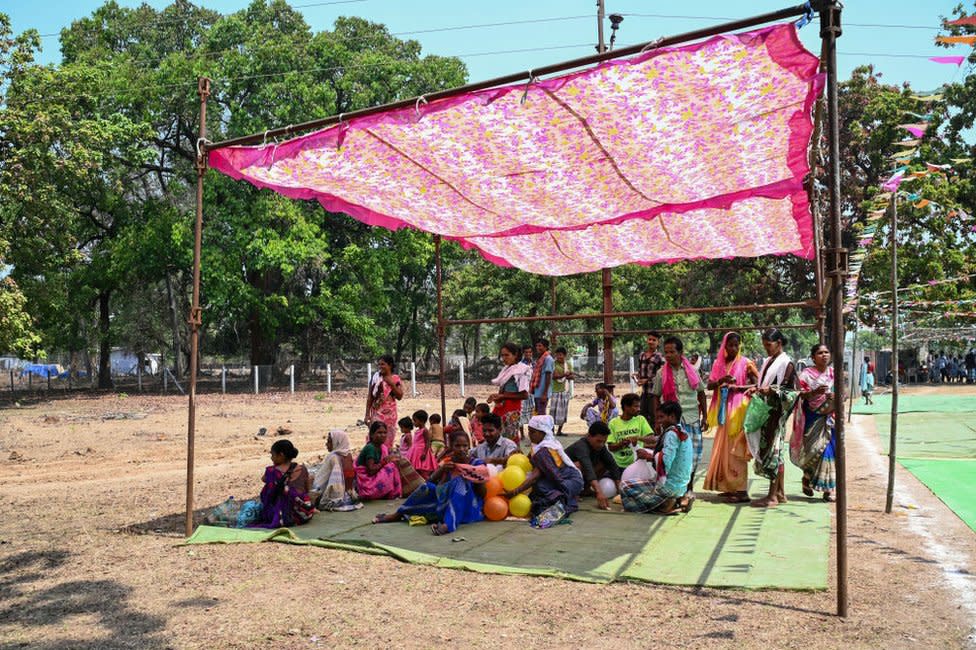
{"x":608,"y":487}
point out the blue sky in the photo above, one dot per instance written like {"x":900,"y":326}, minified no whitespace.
{"x":890,"y":49}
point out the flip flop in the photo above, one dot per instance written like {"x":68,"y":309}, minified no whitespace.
{"x":807,"y":490}
{"x":687,"y":507}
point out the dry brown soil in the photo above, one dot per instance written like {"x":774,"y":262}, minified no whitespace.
{"x":91,"y":502}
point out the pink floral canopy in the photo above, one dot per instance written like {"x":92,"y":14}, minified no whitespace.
{"x":692,"y":152}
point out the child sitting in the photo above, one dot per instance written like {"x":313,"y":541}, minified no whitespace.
{"x":406,"y":435}
{"x":420,"y":454}
{"x":629,"y":431}
{"x":377,"y":475}
{"x":481,"y":411}
{"x":671,"y":470}
{"x":284,"y":497}
{"x":454,"y":495}
{"x":603,"y":407}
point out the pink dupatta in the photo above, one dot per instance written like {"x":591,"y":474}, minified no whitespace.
{"x":738,"y":369}
{"x":669,"y":389}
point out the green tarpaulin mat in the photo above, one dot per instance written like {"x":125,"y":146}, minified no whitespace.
{"x":936,"y":443}
{"x":918,"y":403}
{"x":715,"y":545}
{"x":930,"y":435}
{"x":953,"y":481}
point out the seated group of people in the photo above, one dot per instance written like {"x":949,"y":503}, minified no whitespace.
{"x":444,"y":483}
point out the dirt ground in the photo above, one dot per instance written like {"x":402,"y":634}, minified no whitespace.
{"x":91,"y":502}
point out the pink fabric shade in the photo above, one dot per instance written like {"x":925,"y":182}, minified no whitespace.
{"x":683,"y":153}
{"x":957,"y":60}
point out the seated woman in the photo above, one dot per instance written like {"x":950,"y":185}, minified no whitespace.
{"x":454,"y":495}
{"x":333,"y":482}
{"x":377,"y":475}
{"x":660,"y":493}
{"x":595,"y":461}
{"x":284,"y":497}
{"x":555,"y":478}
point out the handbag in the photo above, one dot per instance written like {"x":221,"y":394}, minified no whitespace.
{"x":757,"y":413}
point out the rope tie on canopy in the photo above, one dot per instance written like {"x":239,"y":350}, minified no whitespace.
{"x":416,"y":106}
{"x":653,"y":45}
{"x":807,"y":17}
{"x":525,"y":93}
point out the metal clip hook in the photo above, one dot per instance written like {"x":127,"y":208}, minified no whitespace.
{"x":525,"y":94}
{"x":416,"y":107}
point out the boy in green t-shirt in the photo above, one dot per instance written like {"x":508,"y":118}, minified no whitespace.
{"x":629,"y":430}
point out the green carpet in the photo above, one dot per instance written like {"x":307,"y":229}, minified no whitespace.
{"x":917,"y":403}
{"x":936,"y":443}
{"x":953,"y":481}
{"x":930,"y":435}
{"x":715,"y":545}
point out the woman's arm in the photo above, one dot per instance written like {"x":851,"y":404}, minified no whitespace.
{"x":369,"y":404}
{"x":348,"y":472}
{"x":526,"y":484}
{"x":396,"y":388}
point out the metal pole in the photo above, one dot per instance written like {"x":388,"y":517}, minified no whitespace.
{"x":223,"y":380}
{"x":633,"y":384}
{"x":461,"y":378}
{"x":600,"y":14}
{"x":552,"y":296}
{"x":607,"y":327}
{"x":687,"y":330}
{"x":139,"y":375}
{"x":328,"y":377}
{"x":291,"y":376}
{"x":257,"y":378}
{"x":165,"y":380}
{"x":830,"y":29}
{"x":369,"y":373}
{"x":195,"y":320}
{"x":413,"y":378}
{"x":441,"y":343}
{"x":893,"y":434}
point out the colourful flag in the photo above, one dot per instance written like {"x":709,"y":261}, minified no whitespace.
{"x":921,"y":204}
{"x":918,"y":130}
{"x":956,"y":40}
{"x":965,"y":20}
{"x":957,"y":60}
{"x":892,"y":183}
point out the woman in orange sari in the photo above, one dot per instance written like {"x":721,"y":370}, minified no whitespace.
{"x":728,"y":470}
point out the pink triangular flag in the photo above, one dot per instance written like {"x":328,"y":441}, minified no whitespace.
{"x":948,"y":59}
{"x":967,"y":20}
{"x":917,"y":131}
{"x":892,"y":183}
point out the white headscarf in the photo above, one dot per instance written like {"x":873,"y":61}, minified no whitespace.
{"x":545,"y":424}
{"x":328,"y":477}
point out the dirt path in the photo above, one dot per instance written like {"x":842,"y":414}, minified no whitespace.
{"x":91,"y":497}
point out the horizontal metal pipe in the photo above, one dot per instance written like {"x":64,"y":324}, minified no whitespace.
{"x":691,"y":330}
{"x":807,"y":304}
{"x":294,"y":129}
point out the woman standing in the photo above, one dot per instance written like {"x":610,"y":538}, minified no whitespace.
{"x":384,"y":391}
{"x":812,"y":444}
{"x":728,"y":469}
{"x":777,"y":382}
{"x":513,"y":388}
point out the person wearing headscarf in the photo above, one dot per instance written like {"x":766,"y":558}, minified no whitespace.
{"x":777,"y":388}
{"x":732,"y":373}
{"x":555,"y":479}
{"x":333,"y":481}
{"x":814,"y":439}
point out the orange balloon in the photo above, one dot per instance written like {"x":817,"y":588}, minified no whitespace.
{"x":496,"y":508}
{"x":493,"y":487}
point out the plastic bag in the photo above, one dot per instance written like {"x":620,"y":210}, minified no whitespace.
{"x":549,"y":517}
{"x":757,"y":413}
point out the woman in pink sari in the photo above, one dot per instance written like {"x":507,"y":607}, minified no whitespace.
{"x":384,"y":391}
{"x":728,"y":470}
{"x":377,"y":474}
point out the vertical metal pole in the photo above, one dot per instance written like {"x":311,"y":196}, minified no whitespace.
{"x":441,"y":334}
{"x":291,"y":377}
{"x":461,"y":377}
{"x":600,"y":14}
{"x":892,"y":437}
{"x":413,"y":378}
{"x":165,"y":380}
{"x":257,"y":378}
{"x":223,"y":380}
{"x":552,"y":309}
{"x":195,"y":320}
{"x":369,"y":373}
{"x":830,"y":29}
{"x":328,"y":377}
{"x":139,"y":375}
{"x":633,"y":384}
{"x":607,"y":327}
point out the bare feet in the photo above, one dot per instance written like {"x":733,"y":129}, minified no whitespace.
{"x":737,"y":497}
{"x":439,"y":529}
{"x":386,"y":518}
{"x":781,"y":498}
{"x":765,"y":502}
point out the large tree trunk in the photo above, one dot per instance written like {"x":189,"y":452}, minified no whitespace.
{"x":175,"y":325}
{"x":104,"y":341}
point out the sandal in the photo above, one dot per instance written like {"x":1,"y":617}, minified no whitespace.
{"x":738,"y":498}
{"x":829,"y":497}
{"x":686,"y":508}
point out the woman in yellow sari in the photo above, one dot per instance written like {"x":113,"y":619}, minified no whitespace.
{"x":728,"y":470}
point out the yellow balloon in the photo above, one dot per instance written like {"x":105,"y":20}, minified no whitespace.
{"x":519,"y":460}
{"x":512,"y":477}
{"x":520,"y":505}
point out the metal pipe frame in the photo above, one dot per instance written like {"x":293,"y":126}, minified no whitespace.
{"x":806,"y":304}
{"x":723,"y":28}
{"x":893,"y":434}
{"x":693,"y":330}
